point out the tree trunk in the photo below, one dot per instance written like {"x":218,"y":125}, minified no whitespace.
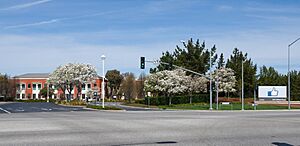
{"x":111,"y":92}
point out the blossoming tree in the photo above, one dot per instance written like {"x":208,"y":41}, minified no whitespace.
{"x":226,"y":79}
{"x":68,"y":76}
{"x":196,"y":84}
{"x":169,"y":82}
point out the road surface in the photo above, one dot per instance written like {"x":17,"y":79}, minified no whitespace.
{"x":142,"y":128}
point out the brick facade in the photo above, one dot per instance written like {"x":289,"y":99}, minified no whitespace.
{"x":30,"y":85}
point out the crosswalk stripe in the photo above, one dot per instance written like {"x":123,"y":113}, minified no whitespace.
{"x":5,"y":110}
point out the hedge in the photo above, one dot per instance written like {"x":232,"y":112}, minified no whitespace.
{"x":161,"y":100}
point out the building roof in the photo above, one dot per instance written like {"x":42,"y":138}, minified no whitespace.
{"x":33,"y":75}
{"x":41,"y":75}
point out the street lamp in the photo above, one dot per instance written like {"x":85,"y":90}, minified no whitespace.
{"x":217,"y":87}
{"x":242,"y":84}
{"x":289,"y":74}
{"x":48,"y":92}
{"x":210,"y":82}
{"x":103,"y":78}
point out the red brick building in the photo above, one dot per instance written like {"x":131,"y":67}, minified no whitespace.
{"x":29,"y":87}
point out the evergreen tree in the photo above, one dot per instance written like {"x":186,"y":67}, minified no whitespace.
{"x":193,"y":56}
{"x":114,"y":78}
{"x":270,"y":77}
{"x":235,"y":63}
{"x":221,"y":61}
{"x":295,"y":85}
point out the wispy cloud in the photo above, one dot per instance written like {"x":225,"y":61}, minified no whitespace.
{"x":89,"y":15}
{"x":32,"y":24}
{"x":58,"y":20}
{"x":269,"y":9}
{"x":26,"y":5}
{"x":280,"y":18}
{"x":224,"y":8}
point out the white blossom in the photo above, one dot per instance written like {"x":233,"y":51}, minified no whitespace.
{"x":226,"y":79}
{"x":69,"y":75}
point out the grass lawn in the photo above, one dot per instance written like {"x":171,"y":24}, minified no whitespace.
{"x":105,"y":108}
{"x":205,"y":106}
{"x":140,"y":105}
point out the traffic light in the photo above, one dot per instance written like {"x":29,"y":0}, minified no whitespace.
{"x":142,"y":62}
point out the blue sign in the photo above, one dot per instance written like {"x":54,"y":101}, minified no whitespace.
{"x":273,"y":92}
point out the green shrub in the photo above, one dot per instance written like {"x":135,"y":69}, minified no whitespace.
{"x":198,"y":98}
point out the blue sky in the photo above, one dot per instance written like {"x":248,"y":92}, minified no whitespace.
{"x":39,"y":35}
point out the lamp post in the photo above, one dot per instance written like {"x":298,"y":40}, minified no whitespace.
{"x":210,"y":83}
{"x":289,"y":74}
{"x":242,"y":84}
{"x":48,"y":92}
{"x":217,"y":86}
{"x":103,"y":80}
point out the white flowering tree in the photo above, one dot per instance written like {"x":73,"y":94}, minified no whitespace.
{"x":196,"y":84}
{"x":71,"y":75}
{"x":226,"y":79}
{"x":169,"y":82}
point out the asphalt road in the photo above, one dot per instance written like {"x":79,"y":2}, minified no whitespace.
{"x":141,"y":128}
{"x":23,"y":107}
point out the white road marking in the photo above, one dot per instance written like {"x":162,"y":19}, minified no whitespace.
{"x":5,"y":110}
{"x":19,"y":110}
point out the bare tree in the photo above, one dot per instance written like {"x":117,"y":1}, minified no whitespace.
{"x":128,"y":86}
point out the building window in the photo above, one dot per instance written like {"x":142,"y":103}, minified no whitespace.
{"x":83,"y":96}
{"x":83,"y":86}
{"x":28,"y":96}
{"x":34,"y":86}
{"x":95,"y":85}
{"x":23,"y":96}
{"x":89,"y":86}
{"x":18,"y":96}
{"x":34,"y":96}
{"x":39,"y":86}
{"x":23,"y":86}
{"x":29,"y":86}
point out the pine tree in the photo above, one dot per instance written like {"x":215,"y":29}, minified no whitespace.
{"x":235,"y":63}
{"x":193,"y":56}
{"x":221,"y":61}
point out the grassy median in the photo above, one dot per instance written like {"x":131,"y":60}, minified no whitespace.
{"x":105,"y":108}
{"x":234,"y":106}
{"x":205,"y":106}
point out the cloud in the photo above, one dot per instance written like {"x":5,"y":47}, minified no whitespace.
{"x":38,"y":54}
{"x":270,"y":9}
{"x":32,"y":24}
{"x":280,"y":18}
{"x":26,"y":5}
{"x":224,"y":8}
{"x":58,"y":20}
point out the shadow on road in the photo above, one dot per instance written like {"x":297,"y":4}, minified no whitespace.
{"x":150,"y":143}
{"x":281,"y":144}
